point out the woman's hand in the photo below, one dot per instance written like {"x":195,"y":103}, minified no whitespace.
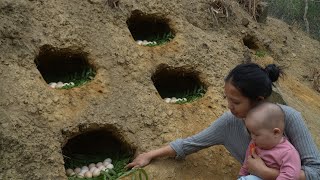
{"x":145,"y":158}
{"x":257,"y":167}
{"x":140,"y":161}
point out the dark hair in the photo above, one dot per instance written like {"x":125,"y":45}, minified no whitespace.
{"x":253,"y":81}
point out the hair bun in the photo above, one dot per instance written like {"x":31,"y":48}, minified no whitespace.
{"x":273,"y":72}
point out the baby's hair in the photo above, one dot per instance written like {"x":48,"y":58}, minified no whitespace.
{"x":271,"y":116}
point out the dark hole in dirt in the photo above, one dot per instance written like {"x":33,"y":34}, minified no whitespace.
{"x":250,"y":42}
{"x":63,"y":65}
{"x":178,"y":82}
{"x":149,"y":27}
{"x":95,"y":146}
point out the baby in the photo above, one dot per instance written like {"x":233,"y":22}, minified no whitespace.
{"x":266,"y":125}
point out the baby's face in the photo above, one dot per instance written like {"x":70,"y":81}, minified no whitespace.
{"x":264,"y":138}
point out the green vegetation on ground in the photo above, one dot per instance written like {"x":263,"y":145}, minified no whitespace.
{"x":119,"y":162}
{"x":261,"y":53}
{"x":191,"y":95}
{"x":292,"y":12}
{"x":160,"y":39}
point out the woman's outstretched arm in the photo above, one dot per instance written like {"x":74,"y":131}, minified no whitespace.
{"x":179,"y":148}
{"x":144,"y":159}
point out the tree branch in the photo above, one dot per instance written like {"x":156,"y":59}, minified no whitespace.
{"x":305,"y":16}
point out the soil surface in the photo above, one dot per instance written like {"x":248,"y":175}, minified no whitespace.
{"x":36,"y":121}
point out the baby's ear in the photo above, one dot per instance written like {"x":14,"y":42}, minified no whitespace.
{"x":277,"y":131}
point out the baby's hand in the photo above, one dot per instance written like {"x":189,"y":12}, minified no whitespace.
{"x":255,"y":164}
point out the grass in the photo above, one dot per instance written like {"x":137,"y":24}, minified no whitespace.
{"x":160,"y":39}
{"x":261,"y":53}
{"x":118,"y":160}
{"x":78,"y":78}
{"x":192,"y":95}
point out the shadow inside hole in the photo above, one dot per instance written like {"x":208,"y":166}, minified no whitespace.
{"x":250,"y":42}
{"x":95,"y":146}
{"x":148,"y":27}
{"x":63,"y":65}
{"x":177,"y":82}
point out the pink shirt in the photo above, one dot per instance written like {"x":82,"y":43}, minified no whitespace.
{"x":283,"y":157}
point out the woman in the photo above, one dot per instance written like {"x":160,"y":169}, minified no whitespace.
{"x":245,"y":86}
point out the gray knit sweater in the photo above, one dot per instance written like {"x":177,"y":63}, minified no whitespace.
{"x":231,"y":132}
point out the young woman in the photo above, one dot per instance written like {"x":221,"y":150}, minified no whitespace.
{"x":245,"y":86}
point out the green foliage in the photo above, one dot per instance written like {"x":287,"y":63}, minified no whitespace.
{"x":137,"y":173}
{"x":118,"y":160}
{"x":79,"y":78}
{"x":261,"y":53}
{"x":192,"y":95}
{"x":292,"y":11}
{"x":160,"y":39}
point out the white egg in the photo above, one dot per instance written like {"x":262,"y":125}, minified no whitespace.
{"x":110,"y":166}
{"x":184,"y":99}
{"x":101,"y":167}
{"x":80,"y":175}
{"x":88,"y":174}
{"x":83,"y":171}
{"x":71,"y":83}
{"x":99,"y":164}
{"x":105,"y":169}
{"x":92,"y":165}
{"x":77,"y":170}
{"x":66,"y":84}
{"x":105,"y":163}
{"x":85,"y":168}
{"x":53,"y":84}
{"x":108,"y":160}
{"x":139,"y":42}
{"x":69,"y":172}
{"x":92,"y":169}
{"x":167,"y":100}
{"x":59,"y":85}
{"x":96,"y":173}
{"x":154,"y":42}
{"x":173,"y":100}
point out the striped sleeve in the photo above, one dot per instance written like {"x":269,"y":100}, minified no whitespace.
{"x":213,"y":135}
{"x":300,"y":137}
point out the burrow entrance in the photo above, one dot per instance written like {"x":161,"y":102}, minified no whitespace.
{"x":178,"y":84}
{"x":250,"y":42}
{"x":149,"y":30}
{"x":97,"y":149}
{"x":64,"y":68}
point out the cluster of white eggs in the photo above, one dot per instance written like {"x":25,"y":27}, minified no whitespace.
{"x":93,"y":170}
{"x":145,"y":42}
{"x":174,"y":100}
{"x":60,"y":84}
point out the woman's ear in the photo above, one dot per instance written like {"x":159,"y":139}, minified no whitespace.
{"x":260,"y":98}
